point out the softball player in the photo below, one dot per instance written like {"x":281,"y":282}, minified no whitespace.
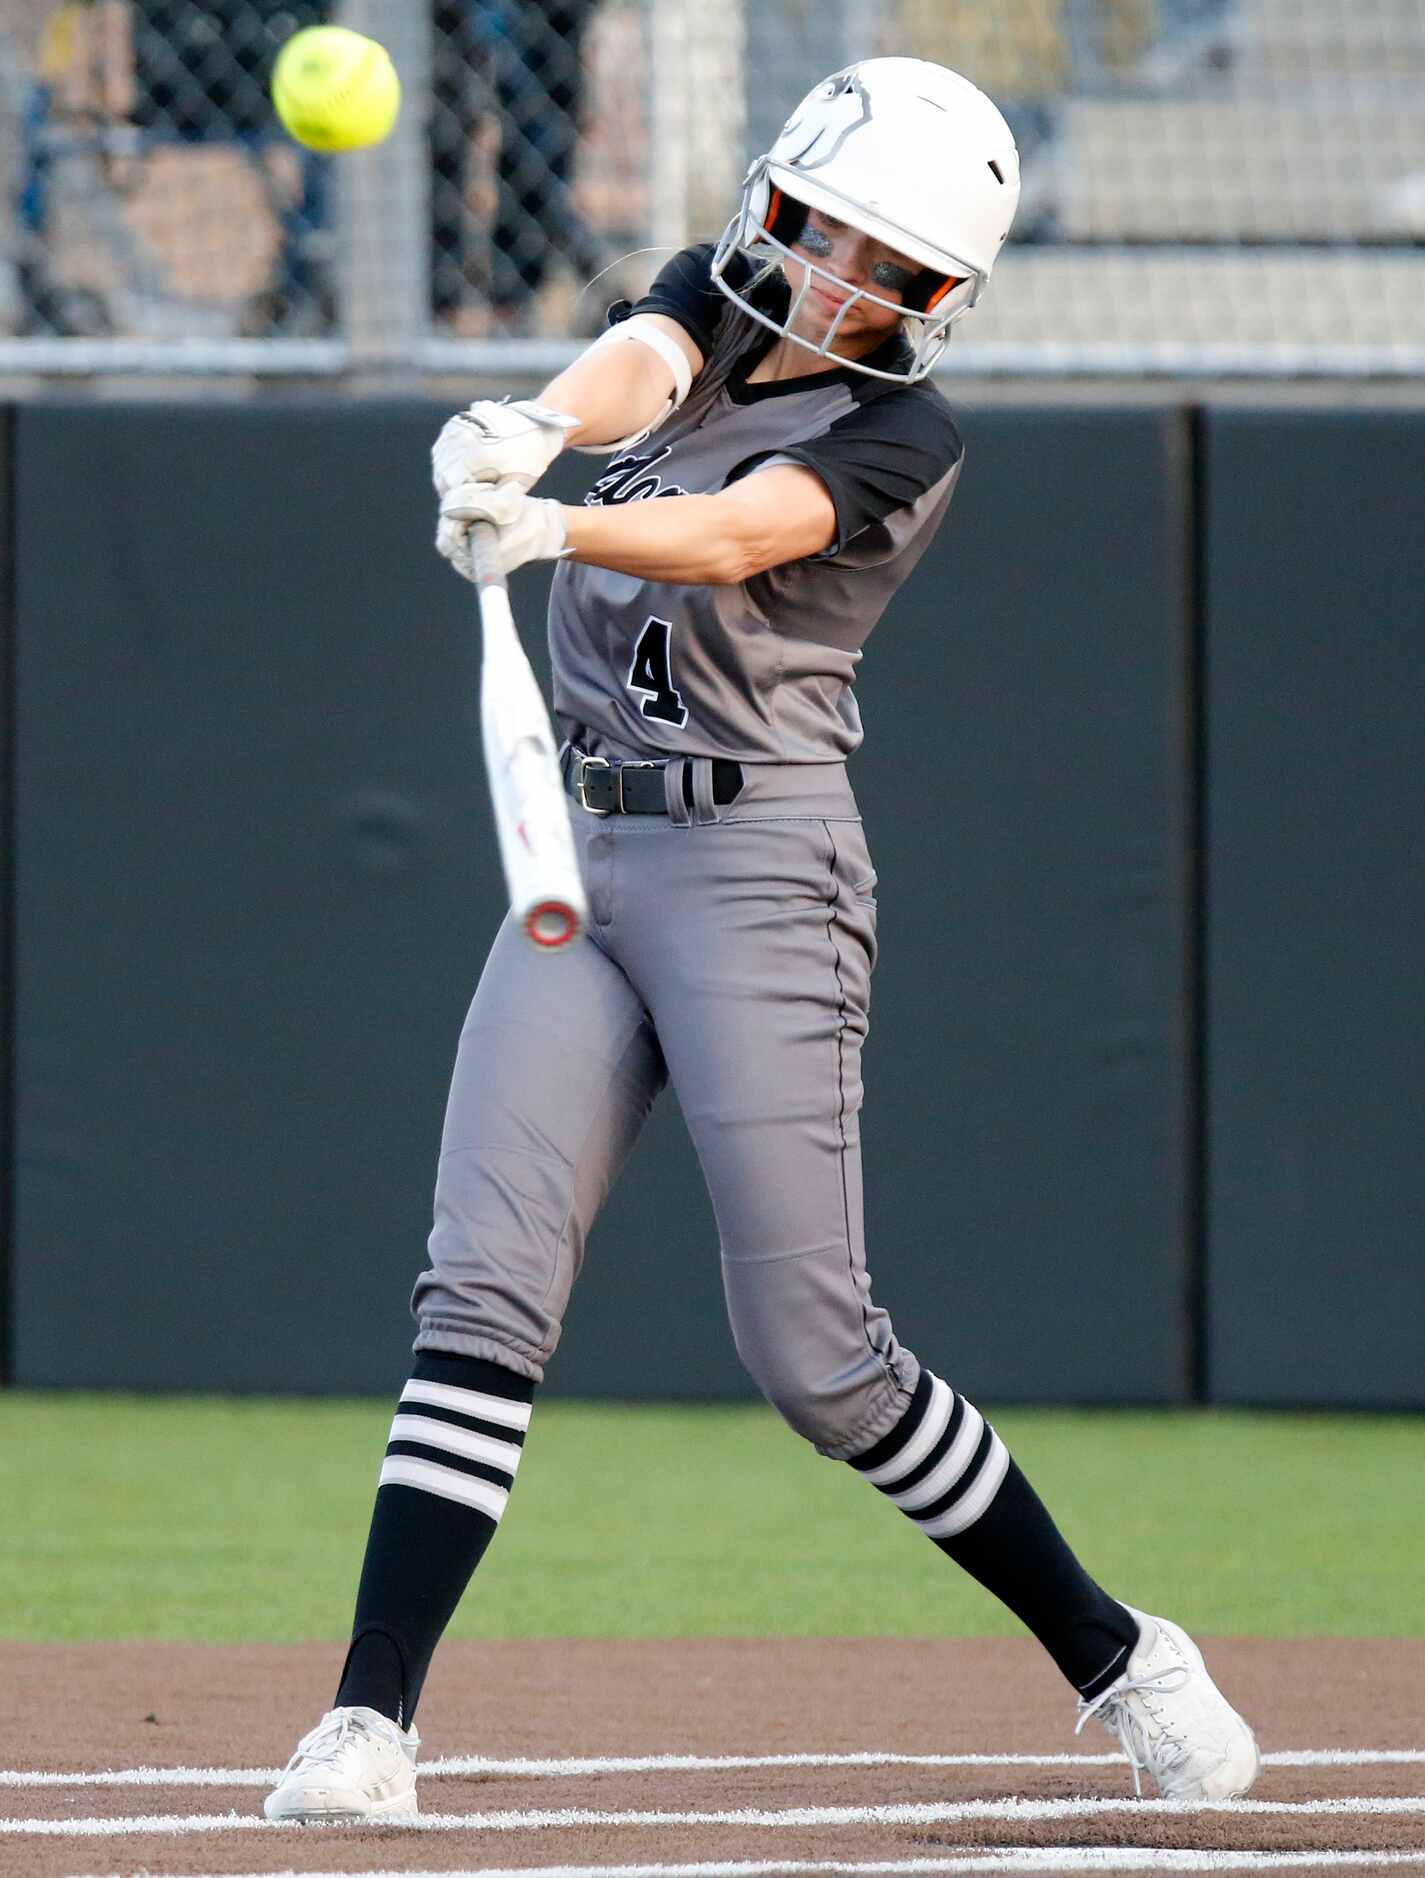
{"x":771,"y":394}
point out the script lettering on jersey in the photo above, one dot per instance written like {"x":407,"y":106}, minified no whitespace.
{"x":632,"y":479}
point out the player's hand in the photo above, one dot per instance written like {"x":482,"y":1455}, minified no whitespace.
{"x":495,"y":442}
{"x":528,"y":528}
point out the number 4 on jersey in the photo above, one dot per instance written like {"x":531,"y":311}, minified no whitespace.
{"x":651,"y":674}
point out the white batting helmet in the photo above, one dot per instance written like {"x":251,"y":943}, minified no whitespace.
{"x":907,"y":152}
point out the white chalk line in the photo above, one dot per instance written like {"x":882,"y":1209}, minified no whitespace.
{"x":1013,"y":1810}
{"x":1010,"y":1858}
{"x":569,"y":1768}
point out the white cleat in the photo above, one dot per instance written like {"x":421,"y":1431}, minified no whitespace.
{"x":1173,"y":1721}
{"x":354,"y":1767}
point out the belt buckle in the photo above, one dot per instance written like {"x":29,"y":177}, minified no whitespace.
{"x":586,"y":763}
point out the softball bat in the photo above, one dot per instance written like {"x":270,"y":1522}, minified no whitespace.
{"x":522,"y":763}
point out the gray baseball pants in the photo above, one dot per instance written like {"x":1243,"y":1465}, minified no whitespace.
{"x":729,"y":951}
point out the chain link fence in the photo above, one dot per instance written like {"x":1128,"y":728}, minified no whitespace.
{"x":1211,"y":186}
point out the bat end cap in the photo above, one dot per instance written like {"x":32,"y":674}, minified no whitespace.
{"x":551,"y":924}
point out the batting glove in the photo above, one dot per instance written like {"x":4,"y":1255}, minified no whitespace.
{"x":495,"y":442}
{"x":528,"y":528}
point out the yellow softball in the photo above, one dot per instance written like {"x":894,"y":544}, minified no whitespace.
{"x":335,"y":89}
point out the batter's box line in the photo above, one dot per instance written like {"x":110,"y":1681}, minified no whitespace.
{"x":562,"y":1770}
{"x":568,"y":1768}
{"x":1046,"y":1858}
{"x":1012,"y":1811}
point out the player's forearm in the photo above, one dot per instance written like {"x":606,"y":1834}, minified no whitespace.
{"x":702,"y":540}
{"x":612,"y":391}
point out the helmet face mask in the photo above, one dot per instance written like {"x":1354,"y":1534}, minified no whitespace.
{"x":903,"y":151}
{"x":927,"y":330}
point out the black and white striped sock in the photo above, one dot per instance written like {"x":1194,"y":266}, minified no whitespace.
{"x":450,"y":1462}
{"x":942,"y":1463}
{"x":948,"y":1471}
{"x":458,"y":1443}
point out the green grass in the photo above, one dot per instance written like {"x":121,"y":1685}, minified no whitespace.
{"x":236,"y":1520}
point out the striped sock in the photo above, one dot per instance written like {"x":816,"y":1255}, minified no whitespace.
{"x":948,"y":1471}
{"x":941,"y":1464}
{"x":460,"y":1444}
{"x":451,"y":1459}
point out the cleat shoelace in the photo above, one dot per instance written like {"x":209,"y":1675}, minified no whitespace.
{"x":323,"y":1746}
{"x":1133,"y":1736}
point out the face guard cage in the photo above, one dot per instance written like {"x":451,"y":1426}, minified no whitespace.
{"x":928,"y":332}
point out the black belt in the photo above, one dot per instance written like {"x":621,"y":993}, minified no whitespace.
{"x":607,"y":786}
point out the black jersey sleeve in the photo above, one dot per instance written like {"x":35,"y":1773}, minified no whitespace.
{"x":882,"y":456}
{"x":685,"y":291}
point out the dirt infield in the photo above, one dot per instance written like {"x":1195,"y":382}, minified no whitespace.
{"x":1342,"y":1725}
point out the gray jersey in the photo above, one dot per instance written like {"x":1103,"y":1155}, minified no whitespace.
{"x":761,"y":671}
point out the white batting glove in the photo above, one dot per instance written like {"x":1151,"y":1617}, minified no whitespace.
{"x":529,"y":528}
{"x":495,"y":442}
